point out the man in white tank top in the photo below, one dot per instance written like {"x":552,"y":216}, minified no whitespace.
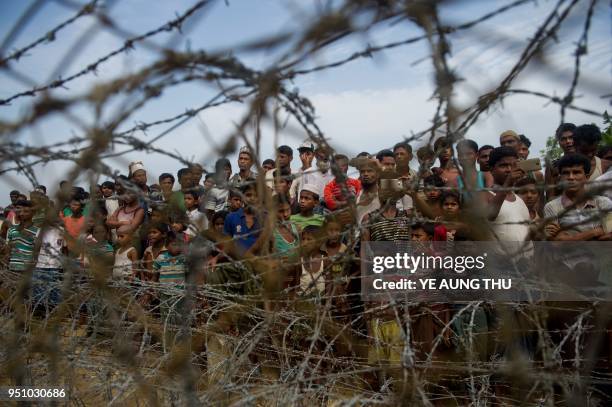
{"x":508,"y":214}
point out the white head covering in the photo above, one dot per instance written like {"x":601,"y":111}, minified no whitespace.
{"x":135,"y":166}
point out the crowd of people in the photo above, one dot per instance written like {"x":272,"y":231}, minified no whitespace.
{"x":307,"y":225}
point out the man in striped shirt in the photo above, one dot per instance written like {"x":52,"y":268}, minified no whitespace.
{"x":22,"y":238}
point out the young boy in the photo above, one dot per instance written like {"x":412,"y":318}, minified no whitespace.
{"x":48,"y":272}
{"x":21,"y":239}
{"x":312,"y":280}
{"x":197,"y":220}
{"x":126,"y":257}
{"x":234,"y":200}
{"x":170,"y":269}
{"x":308,"y":200}
{"x":530,"y":195}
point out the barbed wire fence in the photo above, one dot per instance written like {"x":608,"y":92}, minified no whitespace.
{"x":240,"y":338}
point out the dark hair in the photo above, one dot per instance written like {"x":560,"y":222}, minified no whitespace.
{"x":44,"y":188}
{"x":281,"y":199}
{"x":404,"y":145}
{"x":182,"y":172}
{"x":244,"y":188}
{"x":285,"y":150}
{"x":193,"y":192}
{"x":234,"y":193}
{"x":24,"y":202}
{"x":425,"y":151}
{"x":314,"y":194}
{"x":441,"y":143}
{"x":501,"y":152}
{"x":434,"y":180}
{"x":339,"y":157}
{"x":268,"y":161}
{"x":428,"y":227}
{"x":208,"y":176}
{"x":384,"y":153}
{"x":312,"y":229}
{"x":166,"y":175}
{"x":15,"y":192}
{"x":217,"y":215}
{"x":525,"y":181}
{"x":571,"y":160}
{"x":222,"y":163}
{"x":161,"y":226}
{"x":485,"y":147}
{"x":108,"y":184}
{"x":450,"y":194}
{"x":282,"y":172}
{"x":364,"y":154}
{"x":523,"y":139}
{"x":563,"y":128}
{"x":588,"y":134}
{"x":603,"y":150}
{"x":471,"y":144}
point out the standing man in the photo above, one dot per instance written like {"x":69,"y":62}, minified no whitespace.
{"x":306,"y":151}
{"x":284,"y":156}
{"x":245,"y":173}
{"x":586,"y":139}
{"x":565,"y":139}
{"x":367,"y":200}
{"x":483,"y":157}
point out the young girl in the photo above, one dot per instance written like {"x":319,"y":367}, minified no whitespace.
{"x":312,"y":280}
{"x":451,"y":210}
{"x":126,"y":257}
{"x":157,"y":235}
{"x":98,"y":253}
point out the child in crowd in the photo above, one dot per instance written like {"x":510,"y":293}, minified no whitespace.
{"x":126,"y":257}
{"x":234,"y":200}
{"x":218,"y":220}
{"x":312,"y":278}
{"x":170,"y":269}
{"x":157,"y":236}
{"x":308,"y":200}
{"x":451,"y":214}
{"x":433,"y":193}
{"x":337,"y":266}
{"x":528,"y":191}
{"x":49,"y":266}
{"x":74,"y":224}
{"x":97,"y":251}
{"x":197,"y":220}
{"x":111,"y":202}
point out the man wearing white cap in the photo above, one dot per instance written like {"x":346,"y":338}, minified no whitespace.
{"x":138,"y":175}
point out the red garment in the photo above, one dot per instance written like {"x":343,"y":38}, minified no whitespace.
{"x":440,"y":233}
{"x":74,"y":226}
{"x":333,"y":190}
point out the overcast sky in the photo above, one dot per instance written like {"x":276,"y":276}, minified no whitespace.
{"x":367,"y":104}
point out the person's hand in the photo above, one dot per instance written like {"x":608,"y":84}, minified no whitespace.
{"x":514,"y":176}
{"x":598,"y":232}
{"x":552,"y":229}
{"x":607,"y":236}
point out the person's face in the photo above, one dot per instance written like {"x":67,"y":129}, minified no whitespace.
{"x":306,"y":157}
{"x":522,"y":151}
{"x":322,"y":162}
{"x":235,"y":203}
{"x":75,"y":206}
{"x":503,"y":168}
{"x":227,"y":171}
{"x":450,"y":207}
{"x":368,"y":176}
{"x":166,"y":185}
{"x":509,"y":141}
{"x":140,"y":177}
{"x":281,"y":186}
{"x":419,"y":235}
{"x":155,"y":235}
{"x":157,"y":216}
{"x":177,"y":227}
{"x":483,"y":159}
{"x":529,"y":195}
{"x":309,"y":242}
{"x":588,"y":150}
{"x":190,"y":201}
{"x":267,"y":166}
{"x":431,"y":193}
{"x":174,"y":248}
{"x":401,"y":154}
{"x":209,"y":183}
{"x":566,"y":142}
{"x":122,"y":238}
{"x":343,"y":165}
{"x":466,"y":157}
{"x":445,"y":154}
{"x":283,"y":213}
{"x":250,"y":197}
{"x":101,"y":234}
{"x":24,"y":213}
{"x":14,"y":198}
{"x":196,"y":175}
{"x":333,"y":232}
{"x":218,"y":225}
{"x":388,"y":163}
{"x":283,"y":160}
{"x":574,"y":178}
{"x":244,"y":161}
{"x":186,"y":180}
{"x":129,"y":197}
{"x":307,"y":201}
{"x":106,"y":192}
